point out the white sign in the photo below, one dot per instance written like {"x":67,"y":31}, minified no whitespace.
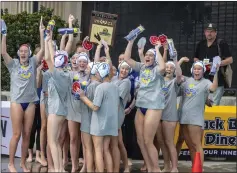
{"x":6,"y":129}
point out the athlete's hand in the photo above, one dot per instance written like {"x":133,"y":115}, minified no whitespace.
{"x":81,"y":93}
{"x":127,"y":111}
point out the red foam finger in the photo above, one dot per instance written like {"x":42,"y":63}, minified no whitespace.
{"x":153,"y":40}
{"x":76,"y":87}
{"x":87,"y":45}
{"x":162,"y":38}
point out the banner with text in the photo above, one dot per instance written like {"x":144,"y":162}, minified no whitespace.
{"x":219,"y":139}
{"x":6,"y":129}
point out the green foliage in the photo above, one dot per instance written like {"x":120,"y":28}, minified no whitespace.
{"x":24,"y":28}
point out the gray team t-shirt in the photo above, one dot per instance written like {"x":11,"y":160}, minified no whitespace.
{"x":23,"y":81}
{"x":124,"y":87}
{"x":58,"y":92}
{"x":192,"y":102}
{"x":170,"y":90}
{"x":150,"y":94}
{"x":75,"y":106}
{"x":45,"y":80}
{"x":44,"y":98}
{"x":104,"y":122}
{"x":86,"y":118}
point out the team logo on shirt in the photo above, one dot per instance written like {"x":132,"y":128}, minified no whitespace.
{"x":190,"y":91}
{"x":25,"y":72}
{"x":164,"y":90}
{"x":146,"y":77}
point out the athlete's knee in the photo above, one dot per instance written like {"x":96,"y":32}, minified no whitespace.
{"x":26,"y":135}
{"x":73,"y":140}
{"x":16,"y":136}
{"x":148,"y":141}
{"x":140,"y":141}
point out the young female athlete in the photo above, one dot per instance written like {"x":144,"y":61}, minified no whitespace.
{"x":57,"y":100}
{"x":23,"y":95}
{"x":104,"y":121}
{"x":124,"y":85}
{"x":195,"y":90}
{"x":86,"y":120}
{"x":150,"y":101}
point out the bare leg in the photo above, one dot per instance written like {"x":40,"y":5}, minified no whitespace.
{"x":54,"y":127}
{"x":188,"y":141}
{"x":168,"y":129}
{"x":195,"y":134}
{"x":180,"y":141}
{"x":30,"y":156}
{"x":27,"y":125}
{"x":161,"y":145}
{"x":115,"y":153}
{"x":151,"y":123}
{"x":107,"y":156}
{"x":64,"y":143}
{"x":83,"y":169}
{"x":123,"y":152}
{"x":88,"y":157}
{"x":99,"y":160}
{"x":139,"y":125}
{"x":50,"y":159}
{"x":43,"y":135}
{"x":73,"y":128}
{"x":37,"y":157}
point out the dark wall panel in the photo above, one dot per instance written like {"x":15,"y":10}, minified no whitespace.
{"x":182,"y":21}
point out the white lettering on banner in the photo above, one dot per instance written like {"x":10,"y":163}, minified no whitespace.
{"x":6,"y":128}
{"x":212,"y":152}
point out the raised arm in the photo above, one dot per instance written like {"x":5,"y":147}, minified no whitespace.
{"x":182,"y":60}
{"x":108,"y":60}
{"x":165,"y":54}
{"x":160,"y":60}
{"x":97,"y":52}
{"x":141,"y":55}
{"x":127,"y":54}
{"x":214,"y":84}
{"x":5,"y":55}
{"x":63,"y":41}
{"x":40,"y":54}
{"x":178,"y":71}
{"x":47,"y":55}
{"x":70,"y":40}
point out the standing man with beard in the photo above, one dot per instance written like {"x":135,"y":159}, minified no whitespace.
{"x":206,"y":50}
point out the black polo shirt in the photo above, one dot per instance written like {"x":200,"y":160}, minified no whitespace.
{"x":205,"y":52}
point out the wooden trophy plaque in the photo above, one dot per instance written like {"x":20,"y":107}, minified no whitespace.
{"x":102,"y":26}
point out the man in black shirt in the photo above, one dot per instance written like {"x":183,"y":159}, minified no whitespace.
{"x":206,"y":50}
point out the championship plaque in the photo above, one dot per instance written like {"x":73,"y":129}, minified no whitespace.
{"x":102,"y":26}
